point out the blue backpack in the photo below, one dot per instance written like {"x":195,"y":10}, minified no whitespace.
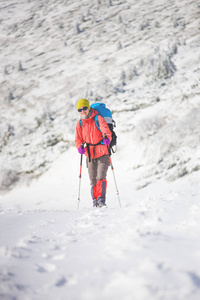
{"x":107,"y":115}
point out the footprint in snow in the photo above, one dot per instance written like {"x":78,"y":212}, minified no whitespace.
{"x":195,"y":279}
{"x":43,"y":268}
{"x":20,"y":287}
{"x":35,"y":239}
{"x":62,"y":281}
{"x":6,"y":275}
{"x":27,"y":240}
{"x":19,"y":252}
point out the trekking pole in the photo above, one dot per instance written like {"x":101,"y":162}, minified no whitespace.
{"x":79,"y":189}
{"x":109,"y":153}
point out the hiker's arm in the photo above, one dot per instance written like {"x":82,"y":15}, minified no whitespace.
{"x":78,"y":137}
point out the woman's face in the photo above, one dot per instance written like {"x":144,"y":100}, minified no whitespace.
{"x":84,"y":111}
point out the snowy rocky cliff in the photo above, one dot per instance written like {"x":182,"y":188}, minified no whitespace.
{"x":142,"y":58}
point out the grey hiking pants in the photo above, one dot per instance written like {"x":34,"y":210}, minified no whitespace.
{"x":97,"y":168}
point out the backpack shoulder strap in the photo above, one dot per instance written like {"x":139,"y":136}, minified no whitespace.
{"x":97,"y":121}
{"x":81,"y":123}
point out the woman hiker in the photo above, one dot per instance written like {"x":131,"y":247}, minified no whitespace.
{"x":97,"y":154}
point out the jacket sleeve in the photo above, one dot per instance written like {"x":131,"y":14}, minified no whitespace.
{"x":78,"y":136}
{"x":104,"y":127}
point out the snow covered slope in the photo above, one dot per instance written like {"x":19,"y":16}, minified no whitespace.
{"x":142,"y":59}
{"x":147,"y":249}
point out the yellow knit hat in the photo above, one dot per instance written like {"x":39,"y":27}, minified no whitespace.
{"x":82,"y":103}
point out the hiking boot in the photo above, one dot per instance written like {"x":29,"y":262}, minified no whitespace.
{"x":95,"y":203}
{"x":101,"y":202}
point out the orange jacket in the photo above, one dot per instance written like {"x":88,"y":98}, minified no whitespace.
{"x":90,"y":134}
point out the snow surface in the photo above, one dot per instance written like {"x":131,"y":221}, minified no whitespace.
{"x":142,"y":59}
{"x":147,"y":249}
